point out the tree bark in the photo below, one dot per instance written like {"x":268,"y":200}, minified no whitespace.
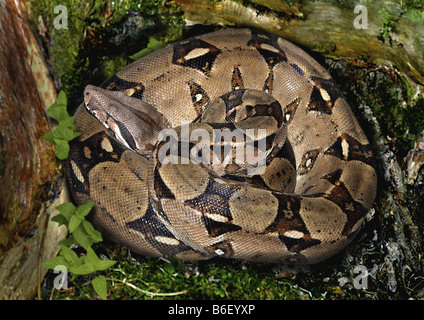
{"x":29,"y":172}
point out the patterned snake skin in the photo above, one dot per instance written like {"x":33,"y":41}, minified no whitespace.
{"x":307,"y":203}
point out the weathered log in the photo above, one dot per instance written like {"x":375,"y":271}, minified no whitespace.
{"x":381,"y":32}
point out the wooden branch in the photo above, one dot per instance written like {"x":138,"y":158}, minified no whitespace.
{"x":394,"y":36}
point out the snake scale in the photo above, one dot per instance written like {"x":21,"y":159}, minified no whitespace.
{"x":305,"y":205}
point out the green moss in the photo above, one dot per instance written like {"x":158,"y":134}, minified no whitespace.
{"x":390,"y":98}
{"x":389,"y":17}
{"x":101,"y":35}
{"x":326,"y":47}
{"x":415,"y":19}
{"x":150,"y":278}
{"x":417,"y":4}
{"x":412,"y":123}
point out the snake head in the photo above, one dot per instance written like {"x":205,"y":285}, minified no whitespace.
{"x":134,"y":123}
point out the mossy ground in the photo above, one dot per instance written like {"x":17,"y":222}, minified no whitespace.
{"x":141,"y":278}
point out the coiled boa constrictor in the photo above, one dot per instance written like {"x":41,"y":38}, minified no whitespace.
{"x":305,"y":206}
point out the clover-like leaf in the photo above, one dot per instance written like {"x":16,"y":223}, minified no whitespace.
{"x":62,"y":100}
{"x":49,"y":137}
{"x":57,"y":112}
{"x":65,"y":130}
{"x":60,"y":219}
{"x":69,"y":241}
{"x":104,"y":264}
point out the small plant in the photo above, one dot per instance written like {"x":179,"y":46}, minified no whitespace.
{"x":81,"y":231}
{"x":65,"y":130}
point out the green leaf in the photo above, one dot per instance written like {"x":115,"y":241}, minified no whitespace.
{"x":94,"y":234}
{"x":64,"y":132}
{"x":76,"y":134}
{"x":84,"y":209}
{"x":88,"y":227}
{"x":83,"y":269}
{"x":60,"y":219}
{"x":69,"y":122}
{"x":169,"y":268}
{"x":58,"y":110}
{"x":49,"y":137}
{"x":74,"y":222}
{"x":99,"y":264}
{"x":61,"y":149}
{"x":62,"y":99}
{"x":153,"y":45}
{"x":91,"y":256}
{"x":103,"y":264}
{"x":68,"y":241}
{"x":100,"y":286}
{"x":56,"y":261}
{"x":70,"y":256}
{"x":66,"y":209}
{"x":82,"y":237}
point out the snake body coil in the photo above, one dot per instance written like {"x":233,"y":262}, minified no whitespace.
{"x":300,"y":192}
